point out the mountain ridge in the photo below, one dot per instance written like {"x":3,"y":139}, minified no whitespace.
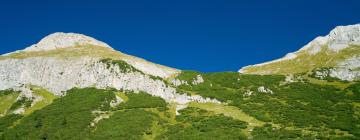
{"x":333,"y":49}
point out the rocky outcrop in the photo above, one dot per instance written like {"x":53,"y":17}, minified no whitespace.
{"x":198,"y":80}
{"x":348,"y":70}
{"x":263,"y":89}
{"x":60,"y":75}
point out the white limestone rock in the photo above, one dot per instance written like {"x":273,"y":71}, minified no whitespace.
{"x":198,"y":80}
{"x":248,"y":93}
{"x":20,"y":110}
{"x":64,"y":40}
{"x":60,"y":75}
{"x":116,"y":101}
{"x":263,"y":89}
{"x":289,"y":78}
{"x":177,"y":82}
{"x":180,"y":107}
{"x":348,"y":70}
{"x":339,"y":38}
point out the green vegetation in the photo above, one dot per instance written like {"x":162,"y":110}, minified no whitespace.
{"x":66,"y":118}
{"x":7,"y":99}
{"x":272,"y":133}
{"x":229,"y":111}
{"x":22,"y":102}
{"x":46,"y":99}
{"x":142,"y":100}
{"x":305,"y":62}
{"x":8,"y":121}
{"x":126,"y":125}
{"x":313,"y":109}
{"x":309,"y":109}
{"x":199,"y":124}
{"x":124,"y":67}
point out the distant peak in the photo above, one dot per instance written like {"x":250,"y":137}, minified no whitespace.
{"x":64,"y":40}
{"x":339,"y":38}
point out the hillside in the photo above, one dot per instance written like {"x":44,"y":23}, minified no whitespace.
{"x":338,"y":51}
{"x":71,"y":86}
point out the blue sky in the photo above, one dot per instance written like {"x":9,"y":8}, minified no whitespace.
{"x":207,"y":35}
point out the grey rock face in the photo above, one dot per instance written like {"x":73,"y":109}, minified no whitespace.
{"x":348,"y":70}
{"x":59,"y":75}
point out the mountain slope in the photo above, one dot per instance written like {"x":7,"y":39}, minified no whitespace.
{"x":70,"y":86}
{"x":65,"y":45}
{"x":338,"y":50}
{"x":62,"y":61}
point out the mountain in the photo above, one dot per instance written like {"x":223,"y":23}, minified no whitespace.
{"x":71,"y":86}
{"x":338,"y":52}
{"x":62,"y":61}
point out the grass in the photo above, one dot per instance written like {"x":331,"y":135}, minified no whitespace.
{"x":6,"y":101}
{"x":156,"y":130}
{"x":47,"y":99}
{"x":305,"y":62}
{"x":338,"y":84}
{"x":122,"y":96}
{"x":229,"y":111}
{"x":66,"y":118}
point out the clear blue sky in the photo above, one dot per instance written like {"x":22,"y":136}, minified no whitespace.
{"x":207,"y":35}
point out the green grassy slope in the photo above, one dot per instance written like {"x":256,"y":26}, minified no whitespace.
{"x":7,"y":99}
{"x":298,"y":110}
{"x":307,"y":109}
{"x":304,"y":62}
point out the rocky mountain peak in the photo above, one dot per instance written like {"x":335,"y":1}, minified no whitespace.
{"x":339,"y":38}
{"x":337,"y":50}
{"x":64,"y":40}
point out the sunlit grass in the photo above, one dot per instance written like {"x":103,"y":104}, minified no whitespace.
{"x":47,"y":98}
{"x":305,"y":62}
{"x":6,"y":101}
{"x":229,"y":111}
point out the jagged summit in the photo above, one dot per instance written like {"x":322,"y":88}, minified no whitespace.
{"x":64,"y":40}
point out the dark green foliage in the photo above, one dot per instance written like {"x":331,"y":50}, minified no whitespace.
{"x":300,"y":105}
{"x":304,"y":105}
{"x":6,"y":92}
{"x":142,"y":100}
{"x":199,"y":124}
{"x":355,"y":89}
{"x":188,"y":76}
{"x":7,"y":121}
{"x":271,"y":133}
{"x":26,"y":102}
{"x":124,"y":67}
{"x":237,"y":81}
{"x":124,"y":125}
{"x":66,"y":118}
